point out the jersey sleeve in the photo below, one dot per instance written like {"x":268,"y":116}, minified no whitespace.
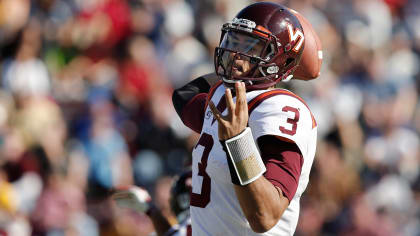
{"x":190,"y":100}
{"x":283,"y":161}
{"x":285,"y":118}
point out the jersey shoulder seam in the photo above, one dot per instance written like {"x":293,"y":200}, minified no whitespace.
{"x":253,"y":103}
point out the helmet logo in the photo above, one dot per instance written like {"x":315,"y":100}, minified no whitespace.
{"x":295,"y":35}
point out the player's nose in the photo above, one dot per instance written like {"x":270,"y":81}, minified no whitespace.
{"x":240,"y":63}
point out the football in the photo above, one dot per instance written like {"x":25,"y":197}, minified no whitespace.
{"x":310,"y":64}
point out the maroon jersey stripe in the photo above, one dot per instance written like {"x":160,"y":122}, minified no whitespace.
{"x":221,"y":106}
{"x":211,"y":92}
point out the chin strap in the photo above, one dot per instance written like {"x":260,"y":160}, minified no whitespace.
{"x":252,"y":83}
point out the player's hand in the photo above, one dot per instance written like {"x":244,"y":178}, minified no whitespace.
{"x":236,"y":120}
{"x":134,"y":198}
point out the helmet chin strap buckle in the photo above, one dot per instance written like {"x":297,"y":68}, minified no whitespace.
{"x":287,"y":79}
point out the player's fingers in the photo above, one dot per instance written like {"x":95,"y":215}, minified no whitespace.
{"x":216,"y":112}
{"x":229,"y":101}
{"x":121,"y":195}
{"x":241,"y":104}
{"x":123,"y":199}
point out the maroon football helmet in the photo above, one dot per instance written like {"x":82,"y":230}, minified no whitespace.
{"x":262,"y":45}
{"x":180,"y":195}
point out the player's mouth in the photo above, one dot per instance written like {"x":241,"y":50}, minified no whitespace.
{"x":237,"y":68}
{"x":237,"y":71}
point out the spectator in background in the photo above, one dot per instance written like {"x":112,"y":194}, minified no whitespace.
{"x":25,"y":75}
{"x":14,"y":16}
{"x":100,"y":26}
{"x":139,"y":200}
{"x":106,"y":150}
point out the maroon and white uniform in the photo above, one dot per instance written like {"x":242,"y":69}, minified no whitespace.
{"x":215,"y":209}
{"x":181,"y":229}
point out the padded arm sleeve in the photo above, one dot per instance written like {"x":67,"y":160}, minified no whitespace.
{"x":189,"y":101}
{"x":182,"y":96}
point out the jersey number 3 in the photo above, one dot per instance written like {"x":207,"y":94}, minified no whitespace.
{"x":292,"y":121}
{"x":203,"y":198}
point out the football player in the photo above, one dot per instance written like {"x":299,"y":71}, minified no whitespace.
{"x":139,"y":200}
{"x":252,"y":161}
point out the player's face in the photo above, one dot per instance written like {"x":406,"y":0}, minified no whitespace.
{"x":238,"y":61}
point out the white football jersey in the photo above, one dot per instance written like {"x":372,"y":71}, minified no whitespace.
{"x":215,"y":209}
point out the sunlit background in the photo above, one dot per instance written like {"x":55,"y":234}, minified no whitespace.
{"x":85,"y":107}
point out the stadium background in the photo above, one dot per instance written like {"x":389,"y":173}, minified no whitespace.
{"x":85,"y":106}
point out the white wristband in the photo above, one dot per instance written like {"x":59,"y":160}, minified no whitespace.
{"x":245,"y":157}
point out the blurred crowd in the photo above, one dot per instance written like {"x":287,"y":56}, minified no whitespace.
{"x":85,"y":108}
